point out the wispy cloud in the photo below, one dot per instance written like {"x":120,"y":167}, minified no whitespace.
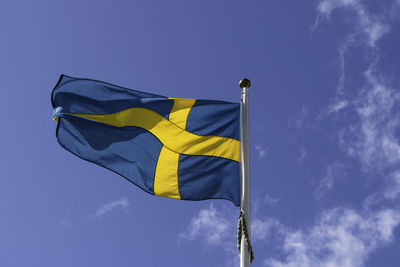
{"x":270,"y":200}
{"x":373,"y":139}
{"x":392,"y":190}
{"x":261,"y":151}
{"x":262,"y":202}
{"x":343,"y":50}
{"x":215,"y":228}
{"x":261,"y":228}
{"x":106,"y":208}
{"x":209,"y":225}
{"x":368,"y":27}
{"x":333,"y":172}
{"x":340,"y":102}
{"x":338,"y":106}
{"x":302,"y":156}
{"x":300,"y":119}
{"x":340,"y":238}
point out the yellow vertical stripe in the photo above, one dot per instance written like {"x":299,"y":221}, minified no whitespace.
{"x":180,"y":111}
{"x":166,"y":181}
{"x":166,"y":176}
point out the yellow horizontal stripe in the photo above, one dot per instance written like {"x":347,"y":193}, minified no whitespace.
{"x":171,"y":135}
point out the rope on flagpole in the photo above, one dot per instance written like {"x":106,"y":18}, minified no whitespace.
{"x":242,"y":231}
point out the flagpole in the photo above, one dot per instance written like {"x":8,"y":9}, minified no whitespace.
{"x":245,"y":256}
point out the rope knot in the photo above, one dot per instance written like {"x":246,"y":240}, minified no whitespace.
{"x":242,"y":232}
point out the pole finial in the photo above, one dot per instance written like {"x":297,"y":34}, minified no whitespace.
{"x":244,"y":83}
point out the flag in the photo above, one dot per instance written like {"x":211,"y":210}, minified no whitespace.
{"x":171,"y":147}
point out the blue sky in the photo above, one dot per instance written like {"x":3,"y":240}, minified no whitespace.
{"x":325,"y":131}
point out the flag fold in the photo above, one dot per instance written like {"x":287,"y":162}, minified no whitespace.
{"x":172,"y":147}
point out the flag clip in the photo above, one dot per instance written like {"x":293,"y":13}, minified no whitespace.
{"x":56,"y":113}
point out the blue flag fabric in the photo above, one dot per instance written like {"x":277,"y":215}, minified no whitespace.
{"x":172,"y":147}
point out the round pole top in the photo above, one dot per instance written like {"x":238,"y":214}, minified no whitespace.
{"x":244,"y":83}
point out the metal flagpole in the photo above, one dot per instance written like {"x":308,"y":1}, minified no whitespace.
{"x":245,"y":247}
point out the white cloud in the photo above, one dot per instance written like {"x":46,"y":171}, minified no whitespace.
{"x":301,"y":117}
{"x":209,"y":225}
{"x":261,"y":151}
{"x":333,"y":172}
{"x":302,"y":156}
{"x":106,"y":208}
{"x":345,"y":237}
{"x":340,"y":103}
{"x":326,"y":7}
{"x":270,"y":200}
{"x":340,"y":238}
{"x":392,"y":191}
{"x":338,"y":106}
{"x":262,"y":202}
{"x":261,"y":229}
{"x":215,"y":227}
{"x":368,"y":27}
{"x":373,"y":139}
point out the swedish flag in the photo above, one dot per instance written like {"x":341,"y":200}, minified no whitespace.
{"x":172,"y":147}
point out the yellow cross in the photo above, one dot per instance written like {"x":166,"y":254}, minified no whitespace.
{"x":175,"y":139}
